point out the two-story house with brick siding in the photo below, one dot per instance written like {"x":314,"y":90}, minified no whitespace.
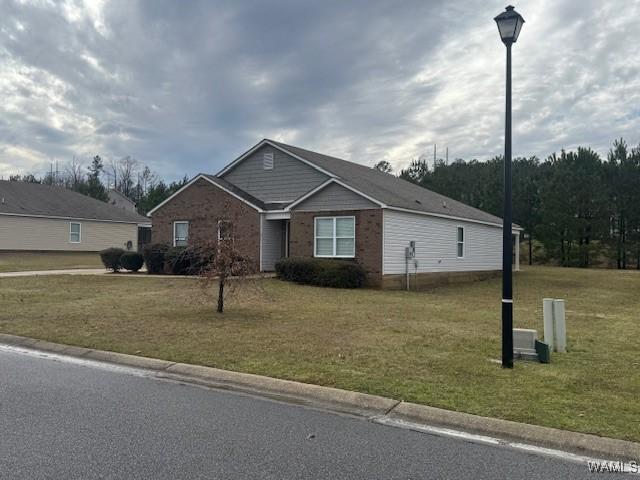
{"x":278,"y":201}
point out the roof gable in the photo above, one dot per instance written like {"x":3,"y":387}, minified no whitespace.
{"x":273,"y":175}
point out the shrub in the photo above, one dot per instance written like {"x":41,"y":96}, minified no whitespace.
{"x":189,"y":260}
{"x":321,"y":272}
{"x":131,"y":261}
{"x":154,"y":257}
{"x":111,"y":258}
{"x":176,"y":261}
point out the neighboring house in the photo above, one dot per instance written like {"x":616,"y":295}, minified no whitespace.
{"x":42,"y":217}
{"x":278,"y":200}
{"x":120,"y":200}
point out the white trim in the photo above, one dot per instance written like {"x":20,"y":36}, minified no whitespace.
{"x":451,"y":217}
{"x":323,"y":185}
{"x":277,"y":215}
{"x":79,"y":232}
{"x":334,"y":237}
{"x":463,"y":242}
{"x":383,"y":244}
{"x":262,"y":219}
{"x":174,"y":230}
{"x":267,"y":142}
{"x":56,"y":217}
{"x":194,"y":180}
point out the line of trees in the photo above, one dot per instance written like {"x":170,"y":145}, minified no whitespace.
{"x":137,"y":182}
{"x":576,"y":208}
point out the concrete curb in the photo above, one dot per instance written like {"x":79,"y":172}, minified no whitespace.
{"x":371,"y":406}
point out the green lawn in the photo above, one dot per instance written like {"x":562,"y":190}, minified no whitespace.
{"x":23,"y":261}
{"x":438,"y":348}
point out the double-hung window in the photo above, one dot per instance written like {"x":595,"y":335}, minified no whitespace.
{"x":335,"y":237}
{"x":460,"y":242}
{"x":75,"y":235}
{"x":180,"y":233}
{"x":225,"y":230}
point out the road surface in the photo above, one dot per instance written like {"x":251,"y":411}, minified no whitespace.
{"x":65,"y":420}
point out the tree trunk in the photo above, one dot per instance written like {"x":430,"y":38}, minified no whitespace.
{"x":619,"y":259}
{"x":530,"y":249}
{"x":221,"y":294}
{"x":624,"y":245}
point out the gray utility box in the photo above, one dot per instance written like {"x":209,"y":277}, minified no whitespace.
{"x":524,"y":344}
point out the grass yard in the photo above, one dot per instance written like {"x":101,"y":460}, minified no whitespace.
{"x":23,"y":261}
{"x":437,"y":348}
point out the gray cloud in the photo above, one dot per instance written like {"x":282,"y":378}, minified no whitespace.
{"x":185,"y":87}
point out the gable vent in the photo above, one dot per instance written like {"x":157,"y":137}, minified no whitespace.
{"x":267,"y":161}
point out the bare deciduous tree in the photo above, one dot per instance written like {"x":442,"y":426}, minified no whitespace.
{"x":227,"y":262}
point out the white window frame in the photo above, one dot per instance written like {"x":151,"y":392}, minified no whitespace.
{"x":79,"y":232}
{"x":458,"y":242}
{"x":177,"y":222}
{"x":230,"y":225}
{"x":334,"y":236}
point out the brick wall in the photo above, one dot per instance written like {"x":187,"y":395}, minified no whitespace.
{"x":368,"y":238}
{"x":203,"y":204}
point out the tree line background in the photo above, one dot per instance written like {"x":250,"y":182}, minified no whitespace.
{"x":576,"y":208}
{"x":137,"y":182}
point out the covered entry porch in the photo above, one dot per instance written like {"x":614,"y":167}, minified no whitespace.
{"x":274,"y":239}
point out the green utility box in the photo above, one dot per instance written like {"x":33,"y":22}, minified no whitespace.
{"x":543,"y":351}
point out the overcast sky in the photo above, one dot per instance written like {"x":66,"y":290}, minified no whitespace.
{"x":186,"y":86}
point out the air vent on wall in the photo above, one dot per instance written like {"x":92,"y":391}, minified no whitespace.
{"x":267,"y":161}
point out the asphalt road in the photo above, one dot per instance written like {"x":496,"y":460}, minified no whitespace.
{"x":63,"y":420}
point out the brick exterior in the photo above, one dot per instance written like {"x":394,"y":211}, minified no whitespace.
{"x":203,"y":204}
{"x":368,"y":238}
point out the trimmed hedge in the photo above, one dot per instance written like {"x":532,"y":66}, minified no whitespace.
{"x":154,"y":257}
{"x":131,"y":261}
{"x":321,"y":272}
{"x":111,"y":258}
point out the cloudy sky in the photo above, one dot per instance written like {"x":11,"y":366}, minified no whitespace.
{"x":185,"y":86}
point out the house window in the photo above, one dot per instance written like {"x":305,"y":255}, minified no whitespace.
{"x":335,"y":237}
{"x":460,"y":242}
{"x":180,"y":233}
{"x":225,"y":230}
{"x":267,"y":161}
{"x":75,"y":230}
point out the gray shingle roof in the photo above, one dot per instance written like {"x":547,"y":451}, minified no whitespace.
{"x":239,"y":192}
{"x":389,"y":189}
{"x":25,"y":198}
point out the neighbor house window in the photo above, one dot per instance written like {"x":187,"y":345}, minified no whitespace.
{"x":267,"y":161}
{"x":335,"y":237}
{"x":460,"y":242}
{"x":180,"y":233}
{"x":225,"y":230}
{"x":75,"y":232}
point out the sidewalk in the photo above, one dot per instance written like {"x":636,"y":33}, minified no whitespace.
{"x":71,"y":271}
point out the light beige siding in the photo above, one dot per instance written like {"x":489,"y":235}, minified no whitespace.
{"x":33,"y":233}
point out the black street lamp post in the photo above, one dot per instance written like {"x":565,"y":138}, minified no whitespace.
{"x":509,"y":25}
